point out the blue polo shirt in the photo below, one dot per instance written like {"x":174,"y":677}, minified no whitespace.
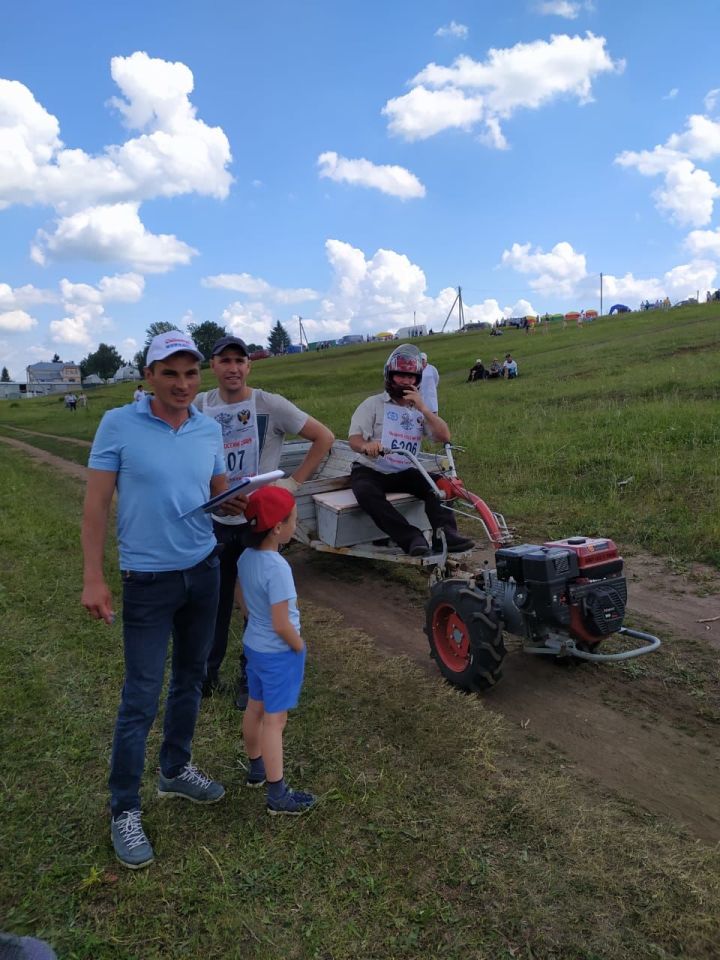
{"x":161,"y":473}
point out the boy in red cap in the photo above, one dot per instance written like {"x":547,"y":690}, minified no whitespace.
{"x":274,"y":649}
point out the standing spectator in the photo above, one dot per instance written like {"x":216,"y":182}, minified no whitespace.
{"x":254,"y":424}
{"x":71,"y":402}
{"x":429,"y":384}
{"x":82,"y":399}
{"x":139,"y":393}
{"x":164,"y":459}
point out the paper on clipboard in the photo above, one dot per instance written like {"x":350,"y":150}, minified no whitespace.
{"x":245,"y":486}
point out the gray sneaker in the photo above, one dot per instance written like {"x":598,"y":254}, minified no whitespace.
{"x":132,"y":847}
{"x":191,"y":784}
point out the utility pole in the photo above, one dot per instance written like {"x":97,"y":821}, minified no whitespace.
{"x":461,"y":311}
{"x":302,"y":334}
{"x":601,"y":294}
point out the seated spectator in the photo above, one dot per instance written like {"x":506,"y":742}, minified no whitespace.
{"x":495,"y":370}
{"x":510,"y":368}
{"x":477,"y":372}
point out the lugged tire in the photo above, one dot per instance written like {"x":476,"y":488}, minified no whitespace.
{"x":465,"y":641}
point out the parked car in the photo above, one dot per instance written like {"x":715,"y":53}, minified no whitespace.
{"x":480,"y":325}
{"x":260,"y":354}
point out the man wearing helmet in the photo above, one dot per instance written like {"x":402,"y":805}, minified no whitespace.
{"x":398,"y":419}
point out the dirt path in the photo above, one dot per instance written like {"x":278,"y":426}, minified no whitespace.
{"x":648,"y":731}
{"x":635,"y":730}
{"x":52,"y":436}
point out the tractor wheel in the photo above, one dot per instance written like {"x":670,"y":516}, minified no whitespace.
{"x":465,"y":640}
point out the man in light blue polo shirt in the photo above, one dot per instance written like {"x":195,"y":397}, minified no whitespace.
{"x":164,"y":458}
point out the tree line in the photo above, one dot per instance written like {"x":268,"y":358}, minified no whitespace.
{"x":106,"y":360}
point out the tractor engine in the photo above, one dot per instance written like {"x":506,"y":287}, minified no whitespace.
{"x":564,"y":588}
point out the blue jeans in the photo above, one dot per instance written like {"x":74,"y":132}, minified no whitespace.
{"x":181,"y":602}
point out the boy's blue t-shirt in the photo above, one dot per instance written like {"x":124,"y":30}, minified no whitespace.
{"x":266,"y":579}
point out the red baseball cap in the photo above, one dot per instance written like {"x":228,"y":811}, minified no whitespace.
{"x":269,"y":506}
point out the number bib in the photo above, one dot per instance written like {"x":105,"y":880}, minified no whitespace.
{"x":238,"y":423}
{"x":402,"y":430}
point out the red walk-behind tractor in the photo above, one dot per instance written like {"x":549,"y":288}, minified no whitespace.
{"x":562,"y":598}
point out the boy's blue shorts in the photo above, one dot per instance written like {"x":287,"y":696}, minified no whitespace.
{"x":275,"y":679}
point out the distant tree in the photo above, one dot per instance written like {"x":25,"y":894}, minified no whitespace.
{"x":205,"y":334}
{"x":56,"y":359}
{"x":104,"y":362}
{"x":159,"y":326}
{"x":5,"y":375}
{"x":279,"y":339}
{"x":254,"y":347}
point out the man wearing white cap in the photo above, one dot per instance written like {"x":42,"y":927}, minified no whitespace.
{"x":429,"y":384}
{"x":163,"y":458}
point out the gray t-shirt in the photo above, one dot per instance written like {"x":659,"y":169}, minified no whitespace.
{"x":368,"y":421}
{"x":276,"y":417}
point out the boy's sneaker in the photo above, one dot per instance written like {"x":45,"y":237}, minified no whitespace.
{"x":291,"y":804}
{"x":191,"y":784}
{"x":132,"y":847}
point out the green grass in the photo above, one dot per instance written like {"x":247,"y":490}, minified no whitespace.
{"x":63,"y":447}
{"x":611,"y":430}
{"x":422,"y":845}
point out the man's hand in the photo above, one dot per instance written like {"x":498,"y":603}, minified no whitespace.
{"x":235,"y":506}
{"x":412,"y":394}
{"x":372,"y":449}
{"x":97,"y":600}
{"x":288,"y":483}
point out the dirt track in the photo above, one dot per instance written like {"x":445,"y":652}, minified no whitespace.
{"x":638,"y":736}
{"x":648,"y":732}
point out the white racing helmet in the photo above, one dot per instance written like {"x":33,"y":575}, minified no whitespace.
{"x":404,"y":359}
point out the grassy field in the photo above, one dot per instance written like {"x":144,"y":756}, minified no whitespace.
{"x":424,"y":845}
{"x":610,"y":430}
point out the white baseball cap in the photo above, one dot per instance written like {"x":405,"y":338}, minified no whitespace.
{"x":164,"y":345}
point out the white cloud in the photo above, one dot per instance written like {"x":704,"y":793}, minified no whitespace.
{"x":559,"y":8}
{"x":422,"y":113}
{"x":17,"y":321}
{"x":689,"y":192}
{"x":124,"y":288}
{"x":711,"y":98}
{"x":70,"y":330}
{"x":671,"y":94}
{"x":257,"y":287}
{"x":453,"y":29}
{"x":25,"y":296}
{"x":704,"y":242}
{"x":528,"y":75}
{"x":111,"y":233}
{"x":365,"y":295}
{"x":174,"y":153}
{"x":557,"y":273}
{"x":562,"y":274}
{"x":391,"y":179}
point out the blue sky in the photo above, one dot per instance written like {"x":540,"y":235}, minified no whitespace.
{"x":351,"y":163}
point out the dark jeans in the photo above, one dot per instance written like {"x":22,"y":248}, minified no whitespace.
{"x":370,"y":488}
{"x":230,"y":537}
{"x":181,"y":602}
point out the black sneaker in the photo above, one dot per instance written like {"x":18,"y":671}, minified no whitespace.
{"x":210,"y":685}
{"x":457,"y":543}
{"x":418,"y":548}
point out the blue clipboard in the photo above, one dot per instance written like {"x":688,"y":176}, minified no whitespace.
{"x":245,"y":486}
